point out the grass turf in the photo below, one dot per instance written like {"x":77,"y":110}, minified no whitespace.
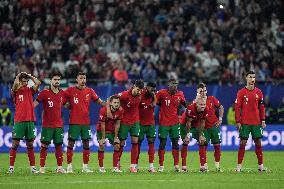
{"x":249,"y":178}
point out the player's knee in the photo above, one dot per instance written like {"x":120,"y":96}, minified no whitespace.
{"x":185,"y":143}
{"x":71,"y":143}
{"x":134,"y":140}
{"x":86,"y":144}
{"x":30,"y":143}
{"x":101,"y":148}
{"x":150,"y":140}
{"x":257,"y":142}
{"x":163,"y":142}
{"x":15,"y":144}
{"x":116,"y":147}
{"x":44,"y":144}
{"x":243,"y":142}
{"x":122,"y":143}
{"x":175,"y":143}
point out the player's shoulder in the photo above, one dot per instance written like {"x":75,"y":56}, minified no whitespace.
{"x":162,"y":92}
{"x":103,"y":110}
{"x":180,"y":93}
{"x":123,"y":93}
{"x":258,"y":90}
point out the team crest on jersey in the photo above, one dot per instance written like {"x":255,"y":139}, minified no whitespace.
{"x":87,"y":96}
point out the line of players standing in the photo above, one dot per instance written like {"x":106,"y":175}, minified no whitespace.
{"x":131,"y":112}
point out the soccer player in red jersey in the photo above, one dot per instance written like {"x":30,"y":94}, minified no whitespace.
{"x":130,"y":101}
{"x":250,"y":118}
{"x":169,"y":101}
{"x":212,"y":125}
{"x":147,"y":122}
{"x":79,"y":98}
{"x":196,"y":116}
{"x":24,"y":117}
{"x":108,"y":128}
{"x":52,"y":98}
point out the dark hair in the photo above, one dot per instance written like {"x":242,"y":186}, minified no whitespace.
{"x":113,"y":97}
{"x":172,"y":80}
{"x":53,"y":74}
{"x":201,"y":85}
{"x":81,"y":73}
{"x":151,"y":84}
{"x":139,"y":83}
{"x":23,"y":76}
{"x":249,"y":72}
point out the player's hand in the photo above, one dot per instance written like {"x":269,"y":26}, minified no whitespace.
{"x":102,"y":141}
{"x":202,"y":139}
{"x":186,"y":140}
{"x":218,"y":123}
{"x":238,"y":125}
{"x":263,"y":124}
{"x":116,"y":140}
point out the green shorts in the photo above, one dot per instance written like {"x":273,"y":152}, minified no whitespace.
{"x":210,"y":134}
{"x":76,"y":131}
{"x":148,"y":130}
{"x":255,"y":130}
{"x":109,"y":136}
{"x":49,"y":134}
{"x":24,"y":130}
{"x":132,"y":129}
{"x":173,"y":131}
{"x":213,"y":134}
{"x":183,"y":132}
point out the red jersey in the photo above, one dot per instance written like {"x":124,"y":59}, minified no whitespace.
{"x":130,"y":105}
{"x":146,"y":110}
{"x":212,"y":119}
{"x":23,"y":100}
{"x":168,"y":106}
{"x":191,"y":111}
{"x":109,"y":122}
{"x":249,"y":107}
{"x":79,"y":104}
{"x":52,"y":104}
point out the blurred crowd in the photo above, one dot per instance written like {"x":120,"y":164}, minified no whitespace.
{"x":215,"y":41}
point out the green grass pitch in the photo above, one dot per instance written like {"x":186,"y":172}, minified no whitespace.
{"x":249,"y":178}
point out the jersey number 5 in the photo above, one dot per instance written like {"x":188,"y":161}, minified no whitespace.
{"x":168,"y":102}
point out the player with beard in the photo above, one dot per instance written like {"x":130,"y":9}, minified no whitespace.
{"x":147,"y":122}
{"x":24,"y":119}
{"x":250,"y":119}
{"x":169,"y":100}
{"x":52,"y":98}
{"x":107,"y":128}
{"x":79,"y":98}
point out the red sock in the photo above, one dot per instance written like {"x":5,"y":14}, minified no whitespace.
{"x":69,"y":154}
{"x":115,"y":158}
{"x":59,"y":155}
{"x":151,"y":152}
{"x":138,"y":154}
{"x":241,"y":153}
{"x":259,"y":155}
{"x":43,"y":154}
{"x":134,"y":153}
{"x":202,"y":155}
{"x":120,"y":151}
{"x":175,"y":153}
{"x":86,"y":156}
{"x":183,"y":154}
{"x":161,"y":154}
{"x":31,"y":156}
{"x":217,"y":153}
{"x":13,"y":153}
{"x":101,"y":156}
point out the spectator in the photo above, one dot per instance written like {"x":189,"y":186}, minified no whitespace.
{"x":149,"y":73}
{"x":231,"y":115}
{"x":270,"y":112}
{"x":120,"y":75}
{"x":5,"y":114}
{"x":280,"y":111}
